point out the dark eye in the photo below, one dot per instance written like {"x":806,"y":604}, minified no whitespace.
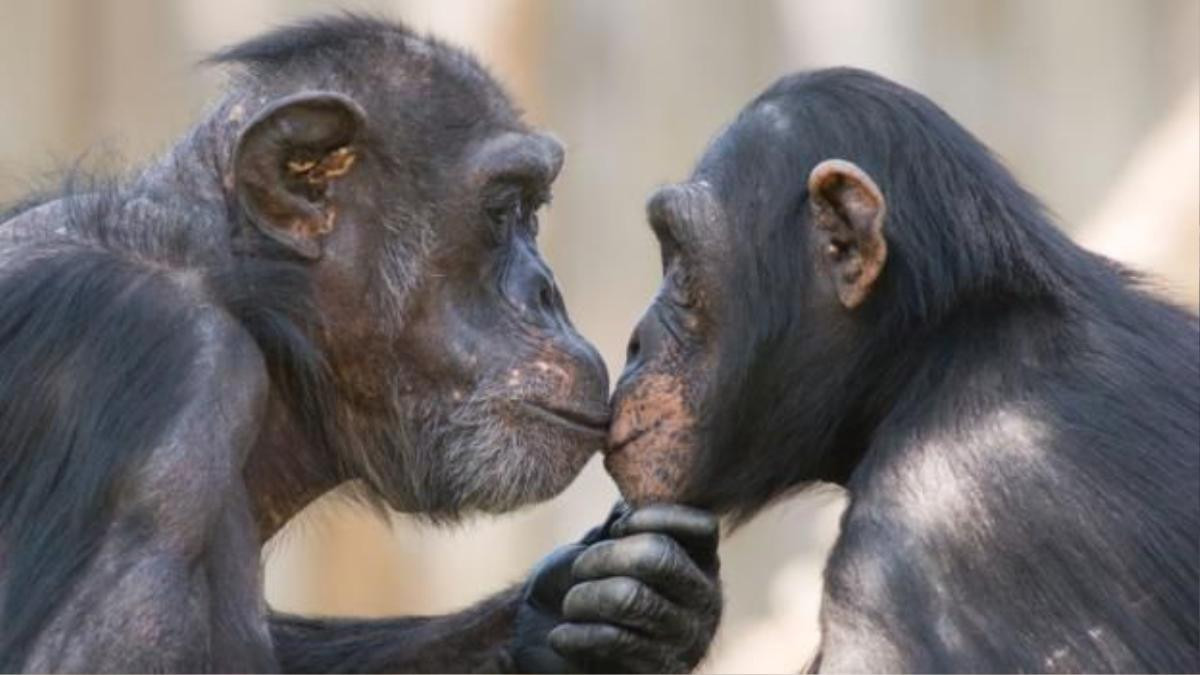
{"x":534,"y":203}
{"x":512,"y":210}
{"x":505,"y":213}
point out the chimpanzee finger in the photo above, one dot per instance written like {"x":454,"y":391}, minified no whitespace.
{"x":602,"y":647}
{"x":619,"y":510}
{"x":698,"y":531}
{"x":654,"y":559}
{"x":541,"y":658}
{"x":626,"y":602}
{"x":681,"y":522}
{"x":552,"y":578}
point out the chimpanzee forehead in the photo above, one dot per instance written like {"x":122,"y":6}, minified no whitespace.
{"x":394,"y":73}
{"x":756,"y":164}
{"x":763,"y":135}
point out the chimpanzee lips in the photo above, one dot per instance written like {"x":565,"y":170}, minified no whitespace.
{"x":591,"y":422}
{"x":616,"y":446}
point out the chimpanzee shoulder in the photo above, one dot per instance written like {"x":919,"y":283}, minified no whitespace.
{"x":114,"y":330}
{"x":1015,"y":418}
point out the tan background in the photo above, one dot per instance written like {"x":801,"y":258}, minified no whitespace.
{"x":1094,"y":104}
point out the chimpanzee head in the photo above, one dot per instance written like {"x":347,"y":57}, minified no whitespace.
{"x":761,"y":360}
{"x":401,"y":174}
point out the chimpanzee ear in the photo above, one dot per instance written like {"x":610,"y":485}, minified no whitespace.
{"x":286,"y":162}
{"x":848,"y":211}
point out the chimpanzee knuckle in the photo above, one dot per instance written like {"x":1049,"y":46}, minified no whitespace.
{"x":605,"y":648}
{"x":604,"y":600}
{"x":642,"y":655}
{"x":682,"y":579}
{"x":599,"y":560}
{"x":586,"y":639}
{"x":568,"y":639}
{"x":582,"y":602}
{"x":625,"y":595}
{"x":671,"y":519}
{"x":652,"y":554}
{"x":642,"y":555}
{"x":645,"y":656}
{"x":623,"y":641}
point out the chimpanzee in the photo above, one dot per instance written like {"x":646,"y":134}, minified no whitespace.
{"x":856,"y":291}
{"x":331,"y":278}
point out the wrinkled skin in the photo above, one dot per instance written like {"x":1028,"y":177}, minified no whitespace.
{"x":332,"y":280}
{"x":857,"y":292}
{"x":639,"y":594}
{"x":655,"y":435}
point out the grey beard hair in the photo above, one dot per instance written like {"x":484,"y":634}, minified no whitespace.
{"x":441,"y":465}
{"x":434,"y":456}
{"x":487,"y":461}
{"x":399,"y":272}
{"x":372,"y":455}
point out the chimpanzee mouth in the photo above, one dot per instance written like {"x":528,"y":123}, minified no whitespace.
{"x":614,"y":447}
{"x":593,"y":423}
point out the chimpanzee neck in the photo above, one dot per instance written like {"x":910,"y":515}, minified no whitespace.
{"x":285,"y":472}
{"x":290,"y":465}
{"x":970,"y":355}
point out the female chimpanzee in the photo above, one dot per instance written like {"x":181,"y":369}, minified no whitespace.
{"x":856,"y":291}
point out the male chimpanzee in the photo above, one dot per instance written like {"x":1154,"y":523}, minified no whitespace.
{"x":333,"y":277}
{"x":856,"y":291}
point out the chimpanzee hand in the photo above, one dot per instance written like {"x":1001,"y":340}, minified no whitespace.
{"x":638,"y":594}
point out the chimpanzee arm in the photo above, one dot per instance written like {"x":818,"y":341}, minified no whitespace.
{"x":638,"y":594}
{"x":473,"y":640}
{"x":174,"y":583}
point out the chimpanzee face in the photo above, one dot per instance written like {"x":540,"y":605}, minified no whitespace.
{"x":460,"y":382}
{"x":766,"y":252}
{"x":656,"y":430}
{"x":511,"y":400}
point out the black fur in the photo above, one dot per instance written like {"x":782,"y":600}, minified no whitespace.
{"x":1039,"y":385}
{"x":192,"y":354}
{"x":71,"y":432}
{"x":94,"y":344}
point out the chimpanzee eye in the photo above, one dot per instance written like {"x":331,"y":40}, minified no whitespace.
{"x":515,"y":209}
{"x":678,"y":285}
{"x":534,"y":203}
{"x":505,"y":213}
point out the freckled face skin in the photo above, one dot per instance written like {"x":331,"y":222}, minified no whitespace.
{"x":656,"y":429}
{"x":665,"y":412}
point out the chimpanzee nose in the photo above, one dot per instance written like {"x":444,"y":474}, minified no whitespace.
{"x":594,"y":377}
{"x":543,"y":304}
{"x":530,"y":288}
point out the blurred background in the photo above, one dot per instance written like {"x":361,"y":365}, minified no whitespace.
{"x":1095,"y":104}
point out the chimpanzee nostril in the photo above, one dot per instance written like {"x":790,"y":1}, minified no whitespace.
{"x":635,"y":346}
{"x":546,"y":297}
